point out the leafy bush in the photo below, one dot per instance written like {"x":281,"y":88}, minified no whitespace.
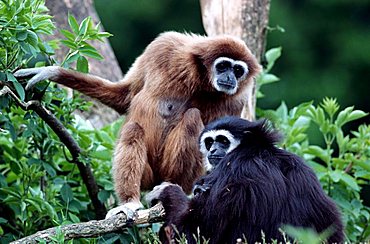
{"x":342,"y":164}
{"x":39,"y":186}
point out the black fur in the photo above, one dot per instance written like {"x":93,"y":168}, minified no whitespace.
{"x":256,"y":187}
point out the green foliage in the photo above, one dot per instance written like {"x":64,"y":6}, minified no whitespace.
{"x":306,"y":236}
{"x":76,"y":40}
{"x":39,"y":187}
{"x":342,"y":164}
{"x":20,"y":24}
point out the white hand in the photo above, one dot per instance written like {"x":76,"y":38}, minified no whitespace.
{"x":128,"y":209}
{"x":156,"y":192}
{"x":37,"y":74}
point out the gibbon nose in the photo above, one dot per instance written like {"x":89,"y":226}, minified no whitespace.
{"x":213,"y":150}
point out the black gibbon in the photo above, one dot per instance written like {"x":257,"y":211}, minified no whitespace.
{"x":254,"y":187}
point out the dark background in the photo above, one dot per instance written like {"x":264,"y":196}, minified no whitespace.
{"x":326,"y":50}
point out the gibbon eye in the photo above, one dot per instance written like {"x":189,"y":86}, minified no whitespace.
{"x":223,"y":140}
{"x":223,"y":66}
{"x":238,"y":71}
{"x":208,"y":142}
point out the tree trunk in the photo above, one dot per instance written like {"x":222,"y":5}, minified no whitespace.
{"x":108,"y":68}
{"x":246,"y":19}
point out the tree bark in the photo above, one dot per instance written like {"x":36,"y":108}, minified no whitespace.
{"x":96,"y":228}
{"x":108,"y":68}
{"x":246,"y":19}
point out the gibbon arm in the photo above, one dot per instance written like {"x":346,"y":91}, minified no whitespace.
{"x":116,"y":95}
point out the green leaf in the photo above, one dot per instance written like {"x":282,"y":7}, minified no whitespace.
{"x":73,"y":23}
{"x":3,"y":221}
{"x":320,"y":116}
{"x":318,"y":152}
{"x":18,"y":87}
{"x":75,"y":206}
{"x":15,"y":167}
{"x":357,"y":114}
{"x":66,"y":193}
{"x":271,"y":56}
{"x":330,"y":106}
{"x":21,"y":35}
{"x":282,"y":112}
{"x":34,"y":204}
{"x":103,"y":195}
{"x":51,"y":171}
{"x":71,"y":44}
{"x":10,"y":191}
{"x":364,"y":164}
{"x":48,"y":207}
{"x":74,"y":218}
{"x":82,"y":64}
{"x":91,"y":53}
{"x":69,"y":35}
{"x":341,"y":140}
{"x":350,"y":181}
{"x":104,"y":137}
{"x":317,"y":167}
{"x":306,"y":235}
{"x":32,"y":38}
{"x":268,"y":78}
{"x":342,"y":116}
{"x":83,"y":26}
{"x":104,"y":35}
{"x":104,"y":155}
{"x":336,"y":175}
{"x":72,"y":57}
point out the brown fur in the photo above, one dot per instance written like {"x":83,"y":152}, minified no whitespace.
{"x":167,"y":95}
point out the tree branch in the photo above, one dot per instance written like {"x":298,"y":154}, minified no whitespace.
{"x":69,"y":142}
{"x":96,"y":228}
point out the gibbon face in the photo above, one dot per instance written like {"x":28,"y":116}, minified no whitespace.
{"x":215,"y":144}
{"x":227,"y":73}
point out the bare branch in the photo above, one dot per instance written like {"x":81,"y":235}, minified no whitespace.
{"x":96,"y":228}
{"x":69,"y":142}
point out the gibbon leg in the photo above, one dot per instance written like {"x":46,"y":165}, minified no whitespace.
{"x":130,"y":168}
{"x":182,"y":160}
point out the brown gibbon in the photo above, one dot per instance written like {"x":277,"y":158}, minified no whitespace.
{"x":179,"y":83}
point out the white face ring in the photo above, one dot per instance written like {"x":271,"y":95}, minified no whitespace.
{"x":233,"y":62}
{"x":213,"y":134}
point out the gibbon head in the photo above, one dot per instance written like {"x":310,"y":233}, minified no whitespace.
{"x":219,"y":138}
{"x":229,"y":63}
{"x":228,"y":133}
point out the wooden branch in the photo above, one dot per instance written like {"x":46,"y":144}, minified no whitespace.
{"x":63,"y":134}
{"x":96,"y":228}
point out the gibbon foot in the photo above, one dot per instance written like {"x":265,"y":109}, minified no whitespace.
{"x":129,"y":209}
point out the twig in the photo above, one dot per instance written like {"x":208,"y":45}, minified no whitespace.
{"x":69,"y":142}
{"x":348,"y":168}
{"x":96,"y":228}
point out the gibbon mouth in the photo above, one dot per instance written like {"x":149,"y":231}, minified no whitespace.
{"x":226,"y":85}
{"x":214,"y":160}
